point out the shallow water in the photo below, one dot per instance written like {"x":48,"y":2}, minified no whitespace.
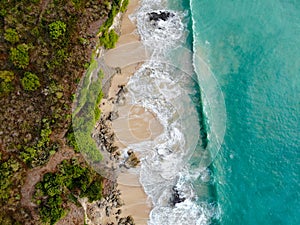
{"x":167,"y":85}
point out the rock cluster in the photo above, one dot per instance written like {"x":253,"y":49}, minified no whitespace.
{"x":161,"y":15}
{"x":108,"y":209}
{"x":105,"y":138}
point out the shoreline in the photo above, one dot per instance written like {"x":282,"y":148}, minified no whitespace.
{"x":129,"y":123}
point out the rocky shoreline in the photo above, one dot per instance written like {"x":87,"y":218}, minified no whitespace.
{"x":109,"y":210}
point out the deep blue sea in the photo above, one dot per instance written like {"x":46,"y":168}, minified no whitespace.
{"x":252,"y":49}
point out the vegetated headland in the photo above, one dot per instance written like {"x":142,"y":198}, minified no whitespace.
{"x":46,"y":47}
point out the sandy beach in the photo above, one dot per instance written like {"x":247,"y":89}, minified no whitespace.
{"x":133,"y":123}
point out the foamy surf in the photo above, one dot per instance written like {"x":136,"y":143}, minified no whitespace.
{"x":166,"y":90}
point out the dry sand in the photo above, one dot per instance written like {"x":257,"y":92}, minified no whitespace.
{"x":134,"y":123}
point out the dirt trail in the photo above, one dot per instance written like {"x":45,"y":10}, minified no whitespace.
{"x":35,"y":175}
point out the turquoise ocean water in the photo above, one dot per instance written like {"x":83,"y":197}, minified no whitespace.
{"x":224,"y":81}
{"x":253,"y":50}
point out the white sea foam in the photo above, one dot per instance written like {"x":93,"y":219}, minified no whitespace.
{"x":184,"y":213}
{"x":163,"y":89}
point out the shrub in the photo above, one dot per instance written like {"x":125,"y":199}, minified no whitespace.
{"x":30,"y":81}
{"x":51,"y":211}
{"x":57,"y":29}
{"x":20,"y":56}
{"x":5,"y":87}
{"x":94,"y":191}
{"x":70,"y":179}
{"x":124,"y":6}
{"x":71,"y":140}
{"x":7,"y":76}
{"x":11,"y":35}
{"x":109,"y":40}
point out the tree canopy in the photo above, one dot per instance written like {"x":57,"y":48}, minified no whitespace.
{"x":20,"y":56}
{"x":30,"y":81}
{"x":57,"y":29}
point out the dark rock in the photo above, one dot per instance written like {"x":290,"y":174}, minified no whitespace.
{"x":119,"y":203}
{"x":121,"y":95}
{"x":162,"y":15}
{"x":176,"y":197}
{"x":132,"y":160}
{"x":107,"y":211}
{"x":113,"y":115}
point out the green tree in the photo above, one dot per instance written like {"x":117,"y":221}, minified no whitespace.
{"x":57,"y":29}
{"x":30,"y":81}
{"x":20,"y":56}
{"x":11,"y":35}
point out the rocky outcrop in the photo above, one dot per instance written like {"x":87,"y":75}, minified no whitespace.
{"x":132,"y":160}
{"x":161,"y":15}
{"x":176,"y":198}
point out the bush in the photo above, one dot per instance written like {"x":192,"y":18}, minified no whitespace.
{"x":51,"y":211}
{"x":5,"y":87}
{"x":8,"y":170}
{"x":109,"y":40}
{"x":57,"y":29}
{"x":94,"y":191}
{"x":71,"y":140}
{"x":11,"y":35}
{"x":30,"y":82}
{"x":70,"y":179}
{"x":20,"y":56}
{"x":7,"y":76}
{"x":124,"y":6}
{"x":39,"y":153}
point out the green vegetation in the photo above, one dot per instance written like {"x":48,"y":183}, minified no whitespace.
{"x":72,"y":141}
{"x":11,"y":35}
{"x":109,"y":40}
{"x":57,"y":29}
{"x":86,"y":114}
{"x":46,"y":47}
{"x":83,"y":41}
{"x":20,"y":56}
{"x":6,"y":78}
{"x":71,"y":179}
{"x":7,"y":178}
{"x":39,"y":153}
{"x":108,"y":37}
{"x":30,"y":82}
{"x":124,"y":6}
